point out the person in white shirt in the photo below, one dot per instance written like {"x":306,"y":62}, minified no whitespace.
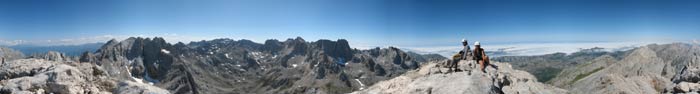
{"x":465,"y":49}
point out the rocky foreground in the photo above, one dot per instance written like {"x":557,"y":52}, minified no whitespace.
{"x":39,"y":76}
{"x":434,"y":79}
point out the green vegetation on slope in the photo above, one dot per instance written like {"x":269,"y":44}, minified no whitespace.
{"x":546,"y":74}
{"x":547,"y":67}
{"x":581,"y":76}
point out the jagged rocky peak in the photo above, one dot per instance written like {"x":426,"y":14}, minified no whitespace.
{"x":272,"y":42}
{"x":113,"y":41}
{"x":338,"y":49}
{"x":272,"y":45}
{"x":297,"y":39}
{"x":134,"y":46}
{"x":296,"y":42}
{"x":133,"y":57}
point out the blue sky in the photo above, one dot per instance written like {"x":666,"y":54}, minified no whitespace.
{"x":362,"y":22}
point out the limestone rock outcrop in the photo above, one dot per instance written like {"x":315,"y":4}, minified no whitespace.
{"x":432,"y":78}
{"x":8,"y":54}
{"x":26,"y":76}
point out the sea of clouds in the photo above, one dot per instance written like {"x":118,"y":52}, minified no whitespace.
{"x":529,"y":49}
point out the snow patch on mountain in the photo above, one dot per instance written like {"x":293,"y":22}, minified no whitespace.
{"x":257,"y":55}
{"x":132,"y":77}
{"x":362,"y":86}
{"x":165,"y":51}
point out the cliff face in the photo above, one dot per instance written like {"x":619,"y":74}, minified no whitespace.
{"x":434,"y":78}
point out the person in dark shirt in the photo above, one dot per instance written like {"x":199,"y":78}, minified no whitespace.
{"x":480,"y":56}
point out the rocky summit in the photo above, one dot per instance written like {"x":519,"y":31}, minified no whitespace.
{"x":434,"y":78}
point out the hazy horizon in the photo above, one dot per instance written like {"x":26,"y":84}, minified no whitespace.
{"x":530,"y":48}
{"x":365,"y":23}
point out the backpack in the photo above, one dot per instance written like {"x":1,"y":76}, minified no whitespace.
{"x":457,"y":56}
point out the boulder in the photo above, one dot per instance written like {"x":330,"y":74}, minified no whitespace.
{"x":9,"y":54}
{"x":27,"y":76}
{"x":42,"y":76}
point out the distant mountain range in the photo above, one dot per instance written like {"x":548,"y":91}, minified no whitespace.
{"x":532,"y":48}
{"x":70,"y":50}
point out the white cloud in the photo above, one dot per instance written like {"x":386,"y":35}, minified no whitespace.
{"x":74,"y":41}
{"x":10,"y":42}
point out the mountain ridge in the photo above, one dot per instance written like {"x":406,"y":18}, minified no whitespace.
{"x":654,"y":68}
{"x":290,"y":66}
